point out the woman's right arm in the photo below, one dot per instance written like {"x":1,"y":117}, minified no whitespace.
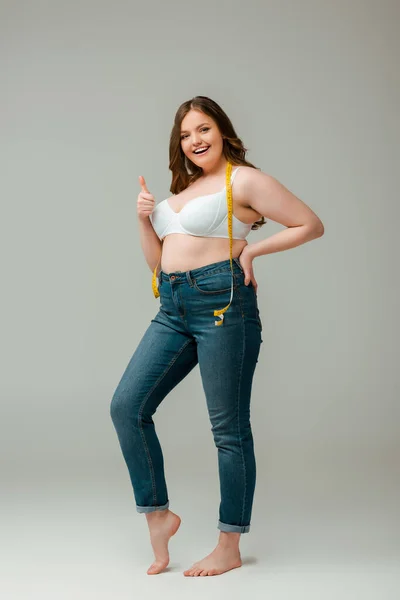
{"x":149,"y":240}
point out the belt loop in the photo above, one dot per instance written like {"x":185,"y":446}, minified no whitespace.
{"x":189,"y":278}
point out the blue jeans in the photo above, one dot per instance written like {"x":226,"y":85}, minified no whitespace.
{"x":182,"y":334}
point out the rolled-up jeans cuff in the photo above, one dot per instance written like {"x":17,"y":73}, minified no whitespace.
{"x":233,"y":528}
{"x":148,"y":509}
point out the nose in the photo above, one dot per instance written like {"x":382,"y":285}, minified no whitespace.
{"x":196,"y":139}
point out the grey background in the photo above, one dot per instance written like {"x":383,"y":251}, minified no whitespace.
{"x":89,"y":92}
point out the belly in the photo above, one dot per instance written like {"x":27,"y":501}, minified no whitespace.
{"x":186,"y":252}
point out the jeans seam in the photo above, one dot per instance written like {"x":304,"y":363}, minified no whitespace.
{"x":238,"y":417}
{"x":237,"y":287}
{"x":154,"y":489}
{"x":240,"y":378}
{"x":182,"y":303}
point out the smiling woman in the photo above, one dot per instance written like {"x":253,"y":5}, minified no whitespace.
{"x":199,"y":235}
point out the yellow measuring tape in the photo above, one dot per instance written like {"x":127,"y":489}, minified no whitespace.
{"x":217,"y":312}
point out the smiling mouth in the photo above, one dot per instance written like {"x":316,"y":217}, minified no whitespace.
{"x":201,"y":153}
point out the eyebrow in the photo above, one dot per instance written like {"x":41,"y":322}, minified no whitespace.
{"x":201,"y":125}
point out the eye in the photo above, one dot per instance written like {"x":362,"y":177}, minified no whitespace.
{"x":202,"y":129}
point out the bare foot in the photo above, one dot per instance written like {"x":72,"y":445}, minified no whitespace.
{"x":220,"y":560}
{"x":163,"y":524}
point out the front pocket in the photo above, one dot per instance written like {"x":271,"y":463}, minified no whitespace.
{"x":214,"y":284}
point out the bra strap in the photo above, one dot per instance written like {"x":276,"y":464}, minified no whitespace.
{"x":234,"y":174}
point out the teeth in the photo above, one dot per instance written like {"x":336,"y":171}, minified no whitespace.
{"x":200,"y":149}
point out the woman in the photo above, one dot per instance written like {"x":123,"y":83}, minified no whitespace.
{"x":188,"y":233}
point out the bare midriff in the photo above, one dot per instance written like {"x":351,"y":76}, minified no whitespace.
{"x":186,"y":252}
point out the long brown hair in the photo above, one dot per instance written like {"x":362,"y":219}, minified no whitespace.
{"x":184,"y":171}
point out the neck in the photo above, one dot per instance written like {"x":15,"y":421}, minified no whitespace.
{"x":217,"y":169}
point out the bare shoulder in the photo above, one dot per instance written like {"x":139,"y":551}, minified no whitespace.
{"x":250,"y":174}
{"x":245,"y":180}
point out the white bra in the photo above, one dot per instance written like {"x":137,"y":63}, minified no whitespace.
{"x":205,"y":216}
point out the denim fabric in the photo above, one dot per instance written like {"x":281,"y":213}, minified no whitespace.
{"x":182,"y":334}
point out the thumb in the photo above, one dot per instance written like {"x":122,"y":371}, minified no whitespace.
{"x":143,"y":185}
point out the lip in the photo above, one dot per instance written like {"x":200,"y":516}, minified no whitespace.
{"x":202,"y":152}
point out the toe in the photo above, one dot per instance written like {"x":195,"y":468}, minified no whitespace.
{"x":153,"y":569}
{"x":203,"y":573}
{"x":157,"y":567}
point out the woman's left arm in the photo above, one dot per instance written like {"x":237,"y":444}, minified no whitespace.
{"x":274,"y":201}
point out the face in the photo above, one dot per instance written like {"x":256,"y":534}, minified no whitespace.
{"x":198,"y":131}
